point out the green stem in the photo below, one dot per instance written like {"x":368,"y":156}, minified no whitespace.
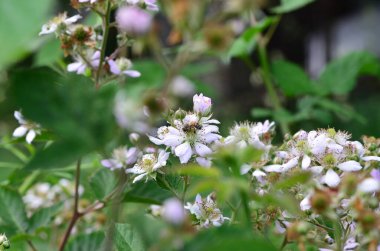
{"x":264,"y":62}
{"x":106,"y":24}
{"x":247,"y":210}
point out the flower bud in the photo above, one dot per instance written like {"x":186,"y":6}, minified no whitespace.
{"x":320,"y":201}
{"x":174,"y":211}
{"x":133,"y":20}
{"x":202,"y":104}
{"x":303,"y":228}
{"x":368,"y":221}
{"x":134,"y":137}
{"x":349,"y":184}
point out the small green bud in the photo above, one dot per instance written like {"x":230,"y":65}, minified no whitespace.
{"x":303,"y":228}
{"x":320,"y":201}
{"x":373,"y":203}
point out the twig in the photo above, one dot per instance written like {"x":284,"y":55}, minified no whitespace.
{"x":76,"y":214}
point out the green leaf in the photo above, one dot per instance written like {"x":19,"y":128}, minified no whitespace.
{"x":245,"y":44}
{"x":43,"y":217}
{"x":103,"y":183}
{"x":20,"y":22}
{"x":12,"y":209}
{"x":227,"y":238}
{"x":339,"y":76}
{"x":50,"y":53}
{"x":68,"y":106}
{"x":127,"y":238}
{"x":149,"y":192}
{"x":290,"y":5}
{"x":86,"y":242}
{"x":291,"y":79}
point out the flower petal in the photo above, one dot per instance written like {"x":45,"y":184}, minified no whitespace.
{"x":306,"y":162}
{"x":350,"y":166}
{"x":369,"y":185}
{"x":202,"y":149}
{"x":273,"y":168}
{"x":132,"y":73}
{"x":331,"y":178}
{"x":30,"y":136}
{"x":370,"y":158}
{"x":184,"y":152}
{"x":20,"y":131}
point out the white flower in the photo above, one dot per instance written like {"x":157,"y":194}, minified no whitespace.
{"x":256,"y":135}
{"x":80,"y":65}
{"x":148,"y":165}
{"x":202,"y":104}
{"x":122,"y":66}
{"x":59,"y":22}
{"x":192,"y":135}
{"x":121,"y":157}
{"x":369,"y":185}
{"x":206,"y":212}
{"x":30,"y":129}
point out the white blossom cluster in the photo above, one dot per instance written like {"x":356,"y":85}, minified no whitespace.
{"x":85,"y":43}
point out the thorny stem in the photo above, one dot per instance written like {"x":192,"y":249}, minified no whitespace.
{"x":76,"y":214}
{"x":106,"y":24}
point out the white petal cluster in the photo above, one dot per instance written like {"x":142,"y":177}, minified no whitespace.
{"x":28,"y":128}
{"x":59,"y":23}
{"x":148,"y":165}
{"x":121,"y":158}
{"x":258,"y":135}
{"x":327,"y":153}
{"x":206,"y":212}
{"x":190,"y":136}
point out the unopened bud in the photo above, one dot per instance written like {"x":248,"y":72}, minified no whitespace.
{"x":368,"y":221}
{"x":320,"y":201}
{"x":303,"y":228}
{"x":349,"y":184}
{"x":134,"y":137}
